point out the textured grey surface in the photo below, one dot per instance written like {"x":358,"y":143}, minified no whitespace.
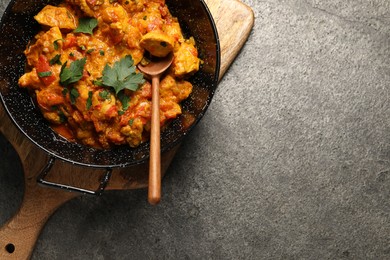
{"x":291,"y":161}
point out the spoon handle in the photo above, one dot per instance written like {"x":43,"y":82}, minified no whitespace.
{"x":154,"y":189}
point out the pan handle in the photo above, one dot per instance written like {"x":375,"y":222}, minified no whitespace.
{"x":45,"y":171}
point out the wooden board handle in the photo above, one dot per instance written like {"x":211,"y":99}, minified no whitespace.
{"x":19,"y":235}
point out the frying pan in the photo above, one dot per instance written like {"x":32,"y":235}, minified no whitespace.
{"x":18,"y":27}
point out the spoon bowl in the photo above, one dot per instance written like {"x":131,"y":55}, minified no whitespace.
{"x":154,"y":70}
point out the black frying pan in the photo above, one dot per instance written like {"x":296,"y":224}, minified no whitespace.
{"x":18,"y":27}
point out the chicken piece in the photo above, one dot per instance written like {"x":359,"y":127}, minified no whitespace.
{"x":133,"y":132}
{"x":54,"y":16}
{"x":114,"y":23}
{"x":31,"y":80}
{"x":157,"y":43}
{"x":186,"y":59}
{"x":49,"y":97}
{"x":172,"y":28}
{"x":172,"y":92}
{"x":44,"y":45}
{"x":132,"y":6}
{"x":103,"y":107}
{"x":149,"y":19}
{"x":90,"y":7}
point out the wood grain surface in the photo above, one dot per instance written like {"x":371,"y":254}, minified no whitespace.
{"x":18,"y":236}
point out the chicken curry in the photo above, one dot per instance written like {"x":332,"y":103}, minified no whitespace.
{"x":82,"y":68}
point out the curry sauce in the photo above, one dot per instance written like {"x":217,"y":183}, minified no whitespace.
{"x":82,"y":68}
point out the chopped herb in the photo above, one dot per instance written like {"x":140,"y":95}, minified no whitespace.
{"x":145,"y":17}
{"x":127,"y":2}
{"x":121,"y":112}
{"x":98,"y":82}
{"x":124,"y":99}
{"x":65,"y":92}
{"x":55,"y":44}
{"x":62,"y":116}
{"x":90,"y":51}
{"x":74,"y":94}
{"x":82,"y":47}
{"x":44,"y":74}
{"x":122,"y":75}
{"x":55,"y":60}
{"x":101,"y":52}
{"x":71,"y":54}
{"x":105,"y":94}
{"x":89,"y":100}
{"x":73,"y":73}
{"x":86,"y":25}
{"x":131,"y":121}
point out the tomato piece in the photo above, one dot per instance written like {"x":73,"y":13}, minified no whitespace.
{"x":49,"y":97}
{"x":70,"y":41}
{"x":43,"y":66}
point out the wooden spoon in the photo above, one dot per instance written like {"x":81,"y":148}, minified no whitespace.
{"x":155,"y":69}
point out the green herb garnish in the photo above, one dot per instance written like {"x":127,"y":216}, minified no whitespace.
{"x":74,"y":94}
{"x":65,"y":92}
{"x":62,"y":116}
{"x":55,"y":60}
{"x":73,"y":73}
{"x":104,"y":94}
{"x":89,"y":100}
{"x":122,"y":75}
{"x":124,"y":99}
{"x":44,"y":74}
{"x":55,"y":43}
{"x":98,"y":82}
{"x":86,"y":25}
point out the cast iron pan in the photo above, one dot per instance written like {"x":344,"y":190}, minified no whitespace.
{"x":18,"y":27}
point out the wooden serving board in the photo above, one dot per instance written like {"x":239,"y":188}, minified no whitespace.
{"x":18,"y":236}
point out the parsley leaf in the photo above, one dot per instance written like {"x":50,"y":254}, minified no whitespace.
{"x":89,"y":100}
{"x":105,"y":94}
{"x":65,"y":92}
{"x":55,"y":43}
{"x":73,"y":73}
{"x":55,"y":60}
{"x":98,"y":82}
{"x":62,"y":116}
{"x":124,"y":99}
{"x":74,"y":94}
{"x":122,"y":75}
{"x":86,"y":25}
{"x":44,"y":74}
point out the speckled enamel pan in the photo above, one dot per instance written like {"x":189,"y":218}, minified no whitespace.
{"x":18,"y":27}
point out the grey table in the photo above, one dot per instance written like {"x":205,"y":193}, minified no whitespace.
{"x":291,"y":161}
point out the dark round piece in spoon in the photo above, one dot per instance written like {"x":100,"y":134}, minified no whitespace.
{"x":154,"y":70}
